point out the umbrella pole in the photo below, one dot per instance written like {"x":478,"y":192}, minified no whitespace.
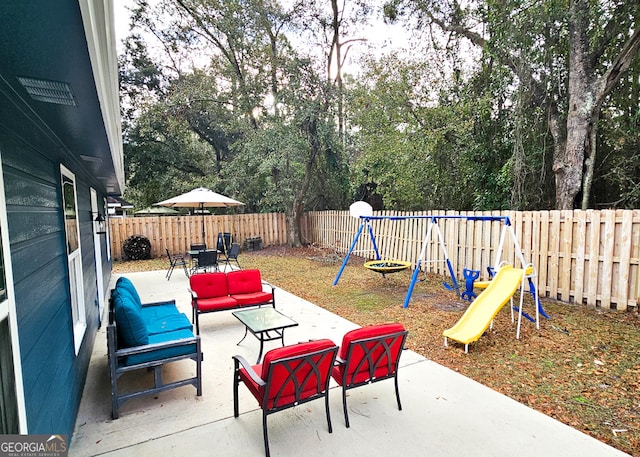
{"x":202,"y":213}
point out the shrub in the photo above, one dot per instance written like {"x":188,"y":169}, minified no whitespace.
{"x":137,"y":247}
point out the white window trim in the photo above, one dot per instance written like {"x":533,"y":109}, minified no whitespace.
{"x":107,"y":224}
{"x":8,"y":310}
{"x":75,"y":268}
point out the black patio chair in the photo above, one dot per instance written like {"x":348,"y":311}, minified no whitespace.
{"x":233,"y":255}
{"x":193,"y":254}
{"x":207,"y":261}
{"x":176,"y":260}
{"x":224,"y":244}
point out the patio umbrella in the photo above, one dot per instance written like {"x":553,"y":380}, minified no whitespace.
{"x":201,"y":198}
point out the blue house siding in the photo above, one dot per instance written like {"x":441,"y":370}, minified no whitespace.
{"x":72,"y":44}
{"x":53,"y":375}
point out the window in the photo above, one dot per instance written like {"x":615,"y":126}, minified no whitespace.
{"x":13,"y":418}
{"x":3,"y":277}
{"x":8,"y":402}
{"x":72,"y":231}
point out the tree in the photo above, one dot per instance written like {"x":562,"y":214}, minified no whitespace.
{"x":569,"y":61}
{"x":249,"y":119}
{"x":295,"y":148}
{"x":334,"y":31}
{"x":617,"y":172}
{"x":415,"y":139}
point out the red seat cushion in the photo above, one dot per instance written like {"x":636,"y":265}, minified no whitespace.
{"x":209,"y":285}
{"x":253,"y":298}
{"x":244,"y":282}
{"x":360,"y":372}
{"x":281,"y":385}
{"x":216,"y":303}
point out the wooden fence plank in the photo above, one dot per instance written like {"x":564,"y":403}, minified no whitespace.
{"x":543,"y":266}
{"x":527,"y":221}
{"x":535,"y":241}
{"x":623,"y":240}
{"x":564,"y":262}
{"x":579,"y":266}
{"x":594,"y":259}
{"x":553,"y":254}
{"x":634,"y":274}
{"x":607,"y":258}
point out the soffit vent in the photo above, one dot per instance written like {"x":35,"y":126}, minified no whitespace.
{"x":49,"y":91}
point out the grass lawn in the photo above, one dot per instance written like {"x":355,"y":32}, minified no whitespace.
{"x":581,"y":367}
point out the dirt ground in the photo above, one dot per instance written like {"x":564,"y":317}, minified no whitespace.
{"x":581,"y":367}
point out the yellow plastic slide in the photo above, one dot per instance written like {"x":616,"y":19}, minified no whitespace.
{"x":478,"y":316}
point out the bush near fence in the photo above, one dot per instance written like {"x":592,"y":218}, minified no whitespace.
{"x":589,"y":257}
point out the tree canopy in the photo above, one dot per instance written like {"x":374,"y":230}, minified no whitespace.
{"x":493,"y":105}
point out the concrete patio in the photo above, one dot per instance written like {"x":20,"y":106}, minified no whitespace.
{"x":444,"y":413}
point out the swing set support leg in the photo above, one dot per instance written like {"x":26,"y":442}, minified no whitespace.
{"x":414,"y":278}
{"x":353,"y":245}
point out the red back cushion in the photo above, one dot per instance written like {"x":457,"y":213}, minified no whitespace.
{"x":286,"y":377}
{"x":209,"y":285}
{"x":378,"y":357}
{"x":244,"y":281}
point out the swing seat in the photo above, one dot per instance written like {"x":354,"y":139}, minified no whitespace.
{"x":387,"y":266}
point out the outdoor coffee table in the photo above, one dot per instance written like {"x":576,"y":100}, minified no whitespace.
{"x":265,"y":323}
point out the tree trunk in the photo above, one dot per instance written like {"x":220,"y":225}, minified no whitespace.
{"x":568,"y":164}
{"x":590,"y":159}
{"x":575,"y":166}
{"x":337,"y":48}
{"x":294,"y":222}
{"x":568,"y":167}
{"x":294,"y":219}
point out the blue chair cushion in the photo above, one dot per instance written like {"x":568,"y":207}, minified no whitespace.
{"x":132,"y":329}
{"x":167,"y":323}
{"x":126,"y":284}
{"x":161,"y":354}
{"x":159,"y":310}
{"x":126,"y":293}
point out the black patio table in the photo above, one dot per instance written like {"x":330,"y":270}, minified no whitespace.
{"x":265,"y":323}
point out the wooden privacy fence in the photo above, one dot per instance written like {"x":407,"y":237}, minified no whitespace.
{"x":588,"y":257}
{"x":177,"y":233}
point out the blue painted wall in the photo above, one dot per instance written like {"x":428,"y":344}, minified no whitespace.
{"x":53,"y":374}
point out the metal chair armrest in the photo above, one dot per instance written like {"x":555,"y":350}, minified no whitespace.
{"x":249,"y":369}
{"x":156,"y":303}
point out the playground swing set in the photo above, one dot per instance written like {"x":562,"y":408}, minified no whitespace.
{"x":503,"y":283}
{"x":364,"y":211}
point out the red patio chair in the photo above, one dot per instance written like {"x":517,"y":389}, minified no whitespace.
{"x":367,"y":355}
{"x":287,"y":377}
